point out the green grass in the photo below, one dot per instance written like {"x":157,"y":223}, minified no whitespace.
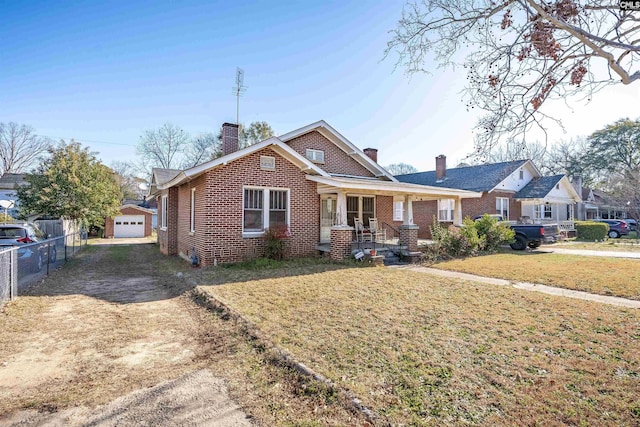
{"x":598,"y":275}
{"x":424,"y":350}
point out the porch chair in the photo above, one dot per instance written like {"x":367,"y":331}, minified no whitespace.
{"x":362,"y":235}
{"x":379,"y":234}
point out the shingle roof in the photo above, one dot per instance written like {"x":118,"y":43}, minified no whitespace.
{"x":538,"y":188}
{"x":12,"y":180}
{"x":164,"y":175}
{"x":473,"y":178}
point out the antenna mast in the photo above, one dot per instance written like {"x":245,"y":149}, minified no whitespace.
{"x":238,"y":90}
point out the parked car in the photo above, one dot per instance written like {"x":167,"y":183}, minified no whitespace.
{"x":632,"y":223}
{"x":529,"y":235}
{"x":33,"y":249}
{"x":617,"y":227}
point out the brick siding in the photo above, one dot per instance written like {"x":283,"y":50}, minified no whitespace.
{"x":335,"y":160}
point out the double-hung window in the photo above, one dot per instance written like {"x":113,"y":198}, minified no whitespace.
{"x":542,"y":212}
{"x":445,"y":209}
{"x":164,"y":209}
{"x":502,"y":207}
{"x":398,"y":211}
{"x":264,"y":208}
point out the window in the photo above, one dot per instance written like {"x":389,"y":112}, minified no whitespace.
{"x":542,"y":212}
{"x":398,"y":211}
{"x":502,"y":207}
{"x":163,"y":224}
{"x":192,"y":214}
{"x":521,"y":174}
{"x":362,"y":207}
{"x":445,"y":209}
{"x":263,"y":208}
{"x":316,"y":156}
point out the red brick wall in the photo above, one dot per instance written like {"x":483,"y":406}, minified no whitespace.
{"x":384,"y":212}
{"x":423,"y":212}
{"x":219,"y":195}
{"x":335,"y":160}
{"x":109,"y":222}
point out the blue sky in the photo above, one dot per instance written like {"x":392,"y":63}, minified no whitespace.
{"x":103,"y":72}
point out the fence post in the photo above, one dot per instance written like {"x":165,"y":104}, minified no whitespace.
{"x":13,"y":281}
{"x":48,"y":255}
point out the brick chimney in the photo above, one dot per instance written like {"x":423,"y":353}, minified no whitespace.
{"x":441,"y":167}
{"x":372,"y":153}
{"x":229,"y":138}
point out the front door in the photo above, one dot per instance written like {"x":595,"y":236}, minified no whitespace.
{"x":328,"y":206}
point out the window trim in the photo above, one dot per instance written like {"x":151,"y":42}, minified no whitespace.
{"x":164,"y":209}
{"x":266,"y":191}
{"x":540,"y":210}
{"x":450,"y":212}
{"x":192,"y":211}
{"x":503,"y":200}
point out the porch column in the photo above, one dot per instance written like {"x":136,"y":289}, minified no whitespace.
{"x":457,"y":213}
{"x":407,"y":215}
{"x":341,"y":209}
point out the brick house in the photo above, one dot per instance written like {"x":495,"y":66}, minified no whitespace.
{"x":313,"y":180}
{"x":516,"y":190}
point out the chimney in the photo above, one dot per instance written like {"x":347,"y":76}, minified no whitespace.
{"x":229,"y":138}
{"x":372,"y":153}
{"x":441,"y":167}
{"x":576,"y":180}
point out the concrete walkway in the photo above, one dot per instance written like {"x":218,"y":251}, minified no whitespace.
{"x":613,"y":254}
{"x":621,"y":302}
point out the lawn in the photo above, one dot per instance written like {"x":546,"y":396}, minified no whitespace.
{"x":425,"y":350}
{"x":598,"y":275}
{"x":614,"y":245}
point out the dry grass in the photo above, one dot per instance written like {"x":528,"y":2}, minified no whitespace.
{"x":598,"y":275}
{"x":614,"y":245}
{"x":422,"y":350}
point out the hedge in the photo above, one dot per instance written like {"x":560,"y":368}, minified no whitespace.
{"x":591,"y":231}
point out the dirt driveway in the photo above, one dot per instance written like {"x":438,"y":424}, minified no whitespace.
{"x":109,"y":340}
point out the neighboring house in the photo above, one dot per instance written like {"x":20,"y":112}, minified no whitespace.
{"x":133,"y":221}
{"x":597,"y":204}
{"x":9,"y":183}
{"x":516,"y":190}
{"x":313,"y":180}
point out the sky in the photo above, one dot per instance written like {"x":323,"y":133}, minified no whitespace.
{"x":104,"y":72}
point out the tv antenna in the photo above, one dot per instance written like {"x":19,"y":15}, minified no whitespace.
{"x":238,"y":90}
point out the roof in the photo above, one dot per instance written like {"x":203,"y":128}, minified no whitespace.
{"x":11,"y":181}
{"x":378,"y":186}
{"x":140,"y":208}
{"x":538,"y":188}
{"x":163,"y":175}
{"x":472,"y":178}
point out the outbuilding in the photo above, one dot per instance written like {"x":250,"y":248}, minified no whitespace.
{"x":133,"y":221}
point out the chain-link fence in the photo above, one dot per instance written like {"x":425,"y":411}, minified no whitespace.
{"x":20,"y":266}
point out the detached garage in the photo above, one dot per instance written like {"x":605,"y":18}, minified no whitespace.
{"x":133,"y":221}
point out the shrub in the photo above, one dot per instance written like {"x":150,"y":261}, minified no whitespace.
{"x":274,"y":241}
{"x":591,"y":231}
{"x":495,"y":233}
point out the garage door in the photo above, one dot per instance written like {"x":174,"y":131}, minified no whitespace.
{"x":128,"y":226}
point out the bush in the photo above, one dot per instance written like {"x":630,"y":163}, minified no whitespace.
{"x":591,"y":231}
{"x":274,"y":241}
{"x":495,"y":233}
{"x":474,"y":237}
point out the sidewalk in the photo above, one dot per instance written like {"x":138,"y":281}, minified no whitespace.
{"x":585,"y":252}
{"x":621,"y":302}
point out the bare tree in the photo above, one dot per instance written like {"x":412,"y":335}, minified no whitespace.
{"x":20,"y":147}
{"x":130,"y":184}
{"x":163,"y":147}
{"x":518,"y":54}
{"x":400,"y":169}
{"x":202,"y":148}
{"x":514,"y":150}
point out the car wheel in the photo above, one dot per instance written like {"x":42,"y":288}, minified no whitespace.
{"x":53,"y":256}
{"x":520,"y":244}
{"x":614,"y":234}
{"x":39,"y":262}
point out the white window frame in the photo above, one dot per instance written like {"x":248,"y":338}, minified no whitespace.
{"x":316,"y":156}
{"x":398,"y":211}
{"x":164,"y":209}
{"x":192,"y":211}
{"x":449,"y":209}
{"x":500,"y":207}
{"x":265,"y":208}
{"x":539,"y":212}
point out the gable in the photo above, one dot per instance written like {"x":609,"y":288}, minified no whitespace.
{"x":513,"y":182}
{"x":336,"y":161}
